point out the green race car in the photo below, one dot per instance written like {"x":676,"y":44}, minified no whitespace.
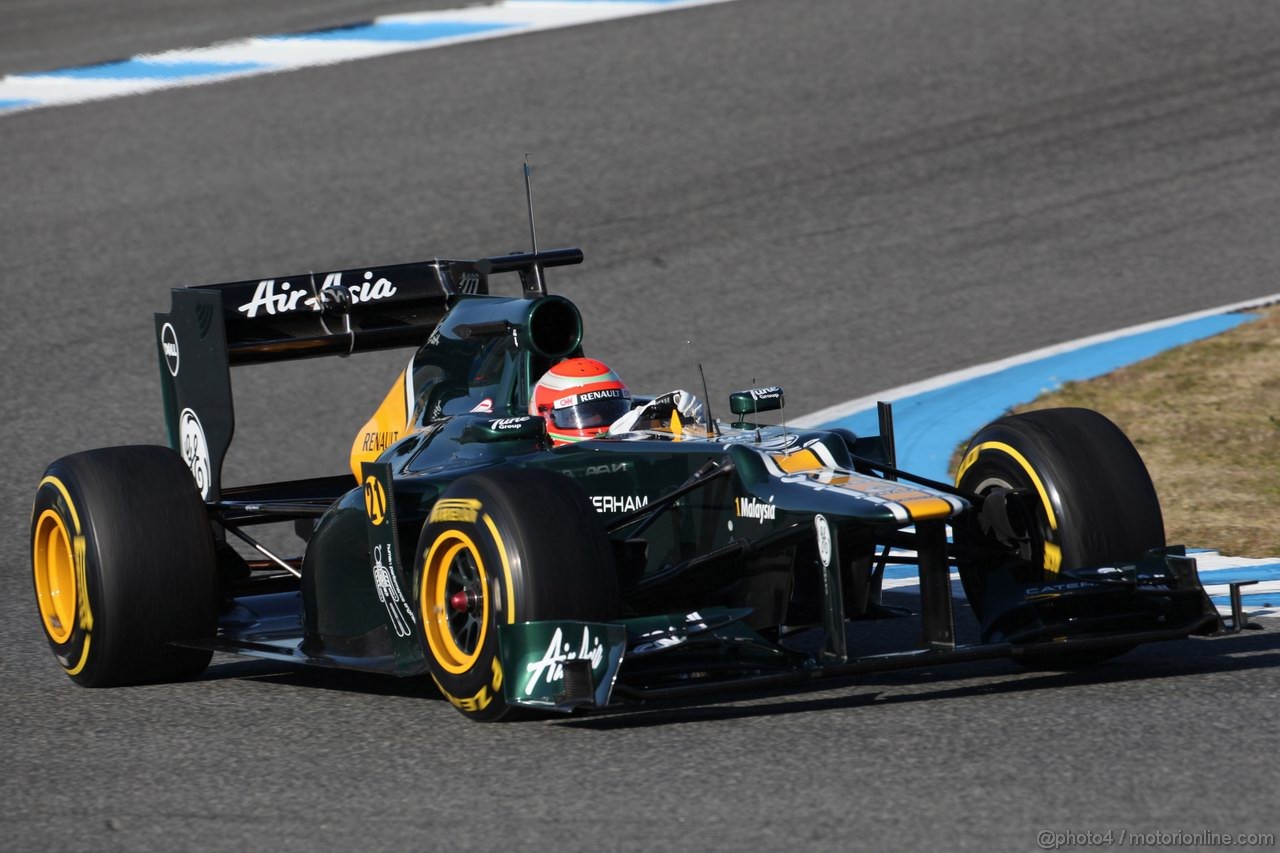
{"x":676,"y":558}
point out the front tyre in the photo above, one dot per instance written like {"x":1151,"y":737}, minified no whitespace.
{"x":500,"y":547}
{"x":123,"y":565}
{"x":1094,"y":501}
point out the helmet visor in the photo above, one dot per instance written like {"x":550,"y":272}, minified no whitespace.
{"x":591,"y":409}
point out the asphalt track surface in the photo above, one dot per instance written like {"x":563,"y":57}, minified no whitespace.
{"x":834,"y":196}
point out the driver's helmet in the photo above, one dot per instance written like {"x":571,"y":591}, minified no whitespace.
{"x":580,"y":398}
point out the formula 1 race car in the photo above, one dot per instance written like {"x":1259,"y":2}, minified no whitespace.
{"x":678,"y":558}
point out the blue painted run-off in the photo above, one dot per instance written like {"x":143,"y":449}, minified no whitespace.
{"x":929,"y":426}
{"x":397,"y":31}
{"x":12,"y":104}
{"x":142,"y":69}
{"x":1248,"y":600}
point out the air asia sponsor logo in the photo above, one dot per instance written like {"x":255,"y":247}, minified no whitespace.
{"x":619,"y":503}
{"x":375,"y":500}
{"x":195,"y":450}
{"x":169,"y":343}
{"x":752,"y":508}
{"x":587,"y":397}
{"x":485,"y":405}
{"x":286,"y":298}
{"x":384,"y":580}
{"x":824,"y":539}
{"x":551,"y":668}
{"x":455,"y":509}
{"x":378,"y":441}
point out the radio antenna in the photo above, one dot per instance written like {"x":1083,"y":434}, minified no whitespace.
{"x":706,"y":396}
{"x":539,"y":284}
{"x":528,"y":195}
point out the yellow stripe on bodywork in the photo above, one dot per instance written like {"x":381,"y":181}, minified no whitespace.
{"x":918,"y":505}
{"x":972,"y":457}
{"x":801,"y":460}
{"x":927,"y":508}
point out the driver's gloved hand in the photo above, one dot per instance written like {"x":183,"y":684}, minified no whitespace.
{"x":689,"y":406}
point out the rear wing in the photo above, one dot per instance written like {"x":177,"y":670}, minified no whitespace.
{"x":211,"y":328}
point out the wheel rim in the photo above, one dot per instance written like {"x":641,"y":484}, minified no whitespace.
{"x":1052,"y":559}
{"x":1026,"y":468}
{"x":455,"y":601}
{"x":55,"y":574}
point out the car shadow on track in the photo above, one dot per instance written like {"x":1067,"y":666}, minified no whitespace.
{"x":343,"y":680}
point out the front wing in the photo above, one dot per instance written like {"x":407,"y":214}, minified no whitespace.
{"x":565,"y":666}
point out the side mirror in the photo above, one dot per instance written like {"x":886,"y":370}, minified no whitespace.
{"x":754,"y":401}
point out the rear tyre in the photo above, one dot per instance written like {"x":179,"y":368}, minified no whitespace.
{"x":1096,"y":503}
{"x":499,"y":547}
{"x":123,"y":564}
